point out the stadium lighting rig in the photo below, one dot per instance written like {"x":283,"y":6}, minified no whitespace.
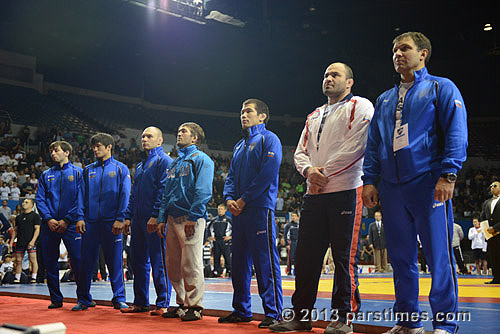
{"x":190,"y":10}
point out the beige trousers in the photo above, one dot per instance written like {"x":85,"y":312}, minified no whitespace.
{"x":184,"y":258}
{"x":380,"y":259}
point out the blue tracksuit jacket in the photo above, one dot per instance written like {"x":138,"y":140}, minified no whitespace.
{"x":253,"y":175}
{"x":57,"y":198}
{"x":189,"y":185}
{"x":57,"y":194}
{"x":146,"y":193}
{"x":106,"y":191}
{"x":433,"y":106}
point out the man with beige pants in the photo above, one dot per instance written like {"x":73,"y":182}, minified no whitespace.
{"x":377,"y":243}
{"x":183,"y":211}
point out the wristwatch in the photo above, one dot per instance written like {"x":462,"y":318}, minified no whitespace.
{"x":450,"y":177}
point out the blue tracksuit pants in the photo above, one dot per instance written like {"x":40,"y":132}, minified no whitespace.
{"x":99,"y":234}
{"x":147,"y":251}
{"x":410,"y":209}
{"x":50,"y":250}
{"x":328,"y":219}
{"x":254,"y":241}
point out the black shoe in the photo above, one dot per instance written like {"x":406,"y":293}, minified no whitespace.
{"x":268,"y":321}
{"x":492,"y":282}
{"x":175,"y":312}
{"x":291,"y":326}
{"x":231,"y":318}
{"x":193,"y":314}
{"x":55,"y":305}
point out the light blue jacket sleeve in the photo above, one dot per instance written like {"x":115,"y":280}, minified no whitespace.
{"x":203,"y":187}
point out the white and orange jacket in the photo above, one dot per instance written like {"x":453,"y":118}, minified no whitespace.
{"x":342,"y":143}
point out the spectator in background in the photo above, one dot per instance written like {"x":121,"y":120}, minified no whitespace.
{"x":4,"y":191}
{"x":8,"y":175}
{"x":479,"y":246}
{"x":458,"y":235}
{"x":5,"y":209}
{"x":377,"y":243}
{"x":15,"y":192}
{"x":220,"y":230}
{"x":21,"y":177}
{"x":27,"y":187}
{"x":291,"y":236}
{"x":491,"y":212}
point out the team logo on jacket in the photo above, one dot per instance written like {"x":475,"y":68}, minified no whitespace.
{"x":51,"y":178}
{"x":112,"y":174}
{"x":270,"y":154}
{"x":252,"y":146}
{"x":71,"y":178}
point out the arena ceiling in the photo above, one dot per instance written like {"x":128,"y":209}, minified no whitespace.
{"x":279,"y":55}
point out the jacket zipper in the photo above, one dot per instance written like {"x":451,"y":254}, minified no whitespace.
{"x":60,"y":193}
{"x":100,"y":190}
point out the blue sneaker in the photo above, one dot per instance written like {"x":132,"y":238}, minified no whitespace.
{"x":79,"y":307}
{"x":120,"y":305}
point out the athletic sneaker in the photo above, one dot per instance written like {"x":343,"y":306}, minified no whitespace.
{"x":174,"y":312}
{"x":440,"y":331}
{"x":268,"y":321}
{"x":291,"y":326}
{"x":135,"y":309}
{"x":158,"y":311}
{"x":120,"y":306}
{"x":193,"y":314}
{"x":92,"y":304}
{"x":405,"y":330}
{"x":79,"y":307}
{"x":55,"y":305}
{"x":232,"y":318}
{"x":338,"y":327}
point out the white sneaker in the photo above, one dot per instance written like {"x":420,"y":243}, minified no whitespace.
{"x":405,"y":330}
{"x":440,"y":331}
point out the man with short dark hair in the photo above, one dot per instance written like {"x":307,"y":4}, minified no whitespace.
{"x":182,"y":216}
{"x":57,"y":203}
{"x":291,"y":236}
{"x":220,"y":230}
{"x":416,"y":145}
{"x":330,"y":156}
{"x":250,"y":193}
{"x":378,"y":244}
{"x":26,"y":231}
{"x":147,"y":249}
{"x":101,"y":210}
{"x":491,"y":212}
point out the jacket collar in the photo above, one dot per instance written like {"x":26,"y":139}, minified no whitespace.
{"x":65,"y":166}
{"x":419,"y":76}
{"x":187,"y":150}
{"x":105,"y":162}
{"x":155,"y":151}
{"x":256,"y":129}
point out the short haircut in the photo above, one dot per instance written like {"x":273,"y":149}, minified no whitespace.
{"x":421,"y":41}
{"x":7,"y":255}
{"x":64,"y":145}
{"x":349,"y":74}
{"x":102,"y":138}
{"x":222,"y":205}
{"x":195,"y":130}
{"x":260,"y":106}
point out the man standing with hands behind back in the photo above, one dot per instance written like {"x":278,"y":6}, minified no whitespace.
{"x":141,"y":218}
{"x":417,"y":144}
{"x":491,"y":212}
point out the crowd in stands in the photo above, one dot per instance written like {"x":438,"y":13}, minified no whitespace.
{"x":24,"y":156}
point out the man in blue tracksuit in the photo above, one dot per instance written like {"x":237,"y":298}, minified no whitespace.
{"x":57,"y":203}
{"x":250,"y":193}
{"x":183,"y":210}
{"x":146,"y":247}
{"x":417,"y":143}
{"x":102,"y":204}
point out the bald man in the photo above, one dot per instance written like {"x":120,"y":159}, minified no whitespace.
{"x":491,"y":212}
{"x":147,"y":249}
{"x":330,"y":156}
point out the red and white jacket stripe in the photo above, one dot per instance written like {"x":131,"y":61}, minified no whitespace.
{"x":342,"y":143}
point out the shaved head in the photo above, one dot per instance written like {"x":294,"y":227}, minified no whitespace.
{"x":152,"y":137}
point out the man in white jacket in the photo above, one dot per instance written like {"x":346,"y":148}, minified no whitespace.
{"x":330,"y":155}
{"x":479,"y":246}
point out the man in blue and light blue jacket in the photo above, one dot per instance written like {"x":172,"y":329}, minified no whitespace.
{"x":250,"y":193}
{"x":147,"y":249}
{"x":102,"y":203}
{"x":417,"y":143}
{"x":57,"y":204}
{"x":183,"y":211}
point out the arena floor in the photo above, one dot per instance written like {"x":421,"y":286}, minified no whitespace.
{"x":479,"y":304}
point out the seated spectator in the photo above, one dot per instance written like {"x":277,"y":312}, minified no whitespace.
{"x":15,"y":192}
{"x":4,"y":191}
{"x":21,"y":177}
{"x":5,"y":209}
{"x":7,"y":270}
{"x":27,"y":186}
{"x":8,"y":175}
